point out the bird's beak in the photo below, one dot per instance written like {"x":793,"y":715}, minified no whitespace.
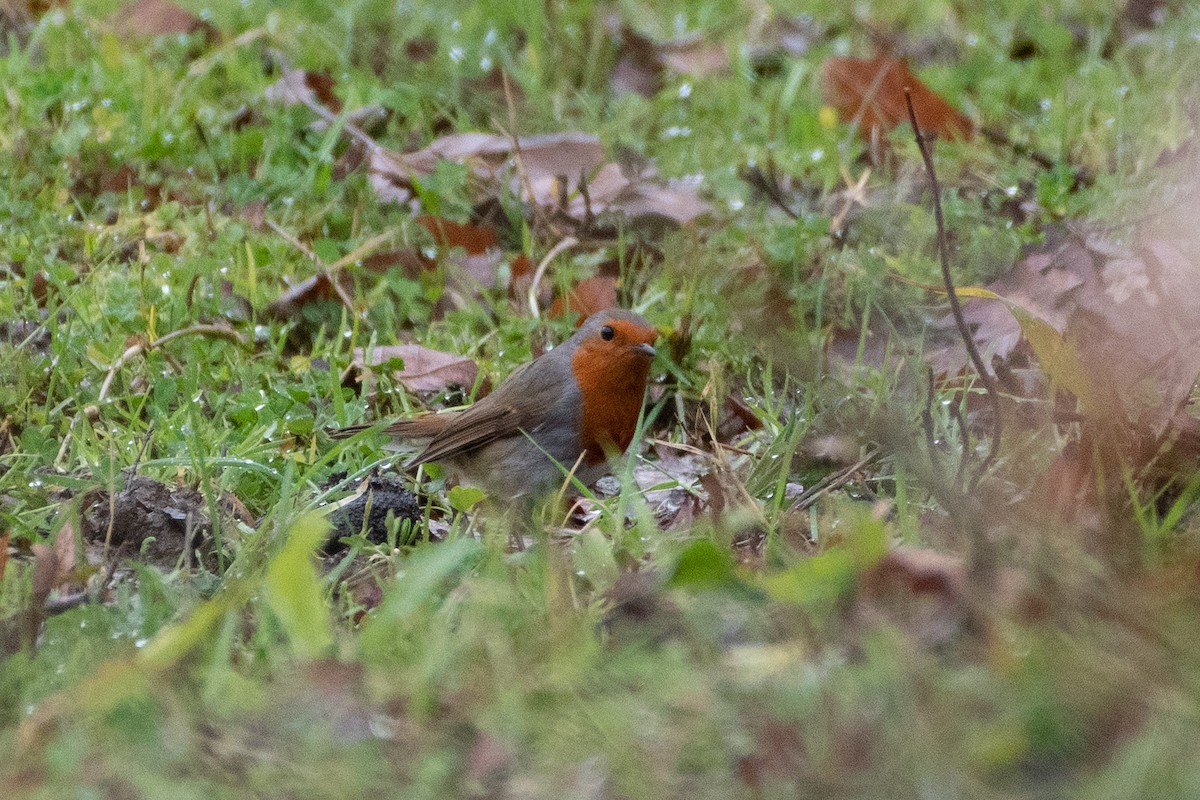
{"x":645,"y":349}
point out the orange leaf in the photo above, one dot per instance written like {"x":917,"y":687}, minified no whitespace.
{"x":474,"y":239}
{"x":870,"y":92}
{"x":588,"y":297}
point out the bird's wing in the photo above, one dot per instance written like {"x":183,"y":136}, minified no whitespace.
{"x":521,"y":403}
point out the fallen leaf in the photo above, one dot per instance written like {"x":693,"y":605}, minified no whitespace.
{"x":304,"y":87}
{"x":145,"y":18}
{"x":65,"y":552}
{"x":642,"y":62}
{"x":420,"y":49}
{"x":869,"y":92}
{"x":53,"y":565}
{"x":694,"y":56}
{"x":737,"y":419}
{"x":474,"y":239}
{"x":410,"y":261}
{"x":586,"y":298}
{"x":424,"y":370}
{"x":545,"y":170}
{"x":320,"y":286}
{"x":1117,"y":326}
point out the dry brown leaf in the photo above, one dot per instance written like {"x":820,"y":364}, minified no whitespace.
{"x":65,"y":553}
{"x":1132,"y":316}
{"x":736,"y":419}
{"x":425,"y":370}
{"x":145,"y":18}
{"x":586,"y":298}
{"x":410,"y":261}
{"x":304,"y":87}
{"x":420,"y":49}
{"x":695,"y":57}
{"x":53,"y":565}
{"x":546,"y":170}
{"x":870,"y":93}
{"x":474,"y":239}
{"x":319,"y":287}
{"x":1043,"y":282}
{"x":642,"y":62}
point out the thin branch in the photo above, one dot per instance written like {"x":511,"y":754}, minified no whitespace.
{"x":563,"y":244}
{"x":219,"y":331}
{"x":935,"y":460}
{"x":833,"y":480}
{"x":943,"y":242}
{"x":1082,"y":176}
{"x":964,"y":436}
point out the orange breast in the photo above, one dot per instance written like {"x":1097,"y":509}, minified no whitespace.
{"x":611,"y":387}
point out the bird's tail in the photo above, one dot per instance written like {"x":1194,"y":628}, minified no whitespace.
{"x":424,"y":427}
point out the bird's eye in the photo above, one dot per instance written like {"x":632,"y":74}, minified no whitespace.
{"x":607,"y":333}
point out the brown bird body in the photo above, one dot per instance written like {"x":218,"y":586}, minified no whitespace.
{"x":574,"y":405}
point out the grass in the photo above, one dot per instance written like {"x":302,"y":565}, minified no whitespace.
{"x":773,"y":650}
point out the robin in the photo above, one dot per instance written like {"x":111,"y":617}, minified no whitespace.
{"x":568,"y":409}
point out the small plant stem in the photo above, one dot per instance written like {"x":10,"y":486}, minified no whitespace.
{"x":943,"y":243}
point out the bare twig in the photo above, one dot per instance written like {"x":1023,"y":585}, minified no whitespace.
{"x":219,"y":331}
{"x":563,"y":244}
{"x":965,"y":437}
{"x":1082,"y":176}
{"x":833,"y":480}
{"x":943,"y":243}
{"x":927,"y":423}
{"x":774,"y":190}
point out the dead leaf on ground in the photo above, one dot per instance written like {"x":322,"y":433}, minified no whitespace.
{"x":1129,"y":318}
{"x":586,"y":298}
{"x":642,"y":62}
{"x":410,"y":261}
{"x":671,"y":485}
{"x":869,"y":92}
{"x":474,"y":239}
{"x":288,"y":306}
{"x":145,"y":18}
{"x":545,"y":170}
{"x":736,"y":418}
{"x":424,"y":370}
{"x":304,"y":87}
